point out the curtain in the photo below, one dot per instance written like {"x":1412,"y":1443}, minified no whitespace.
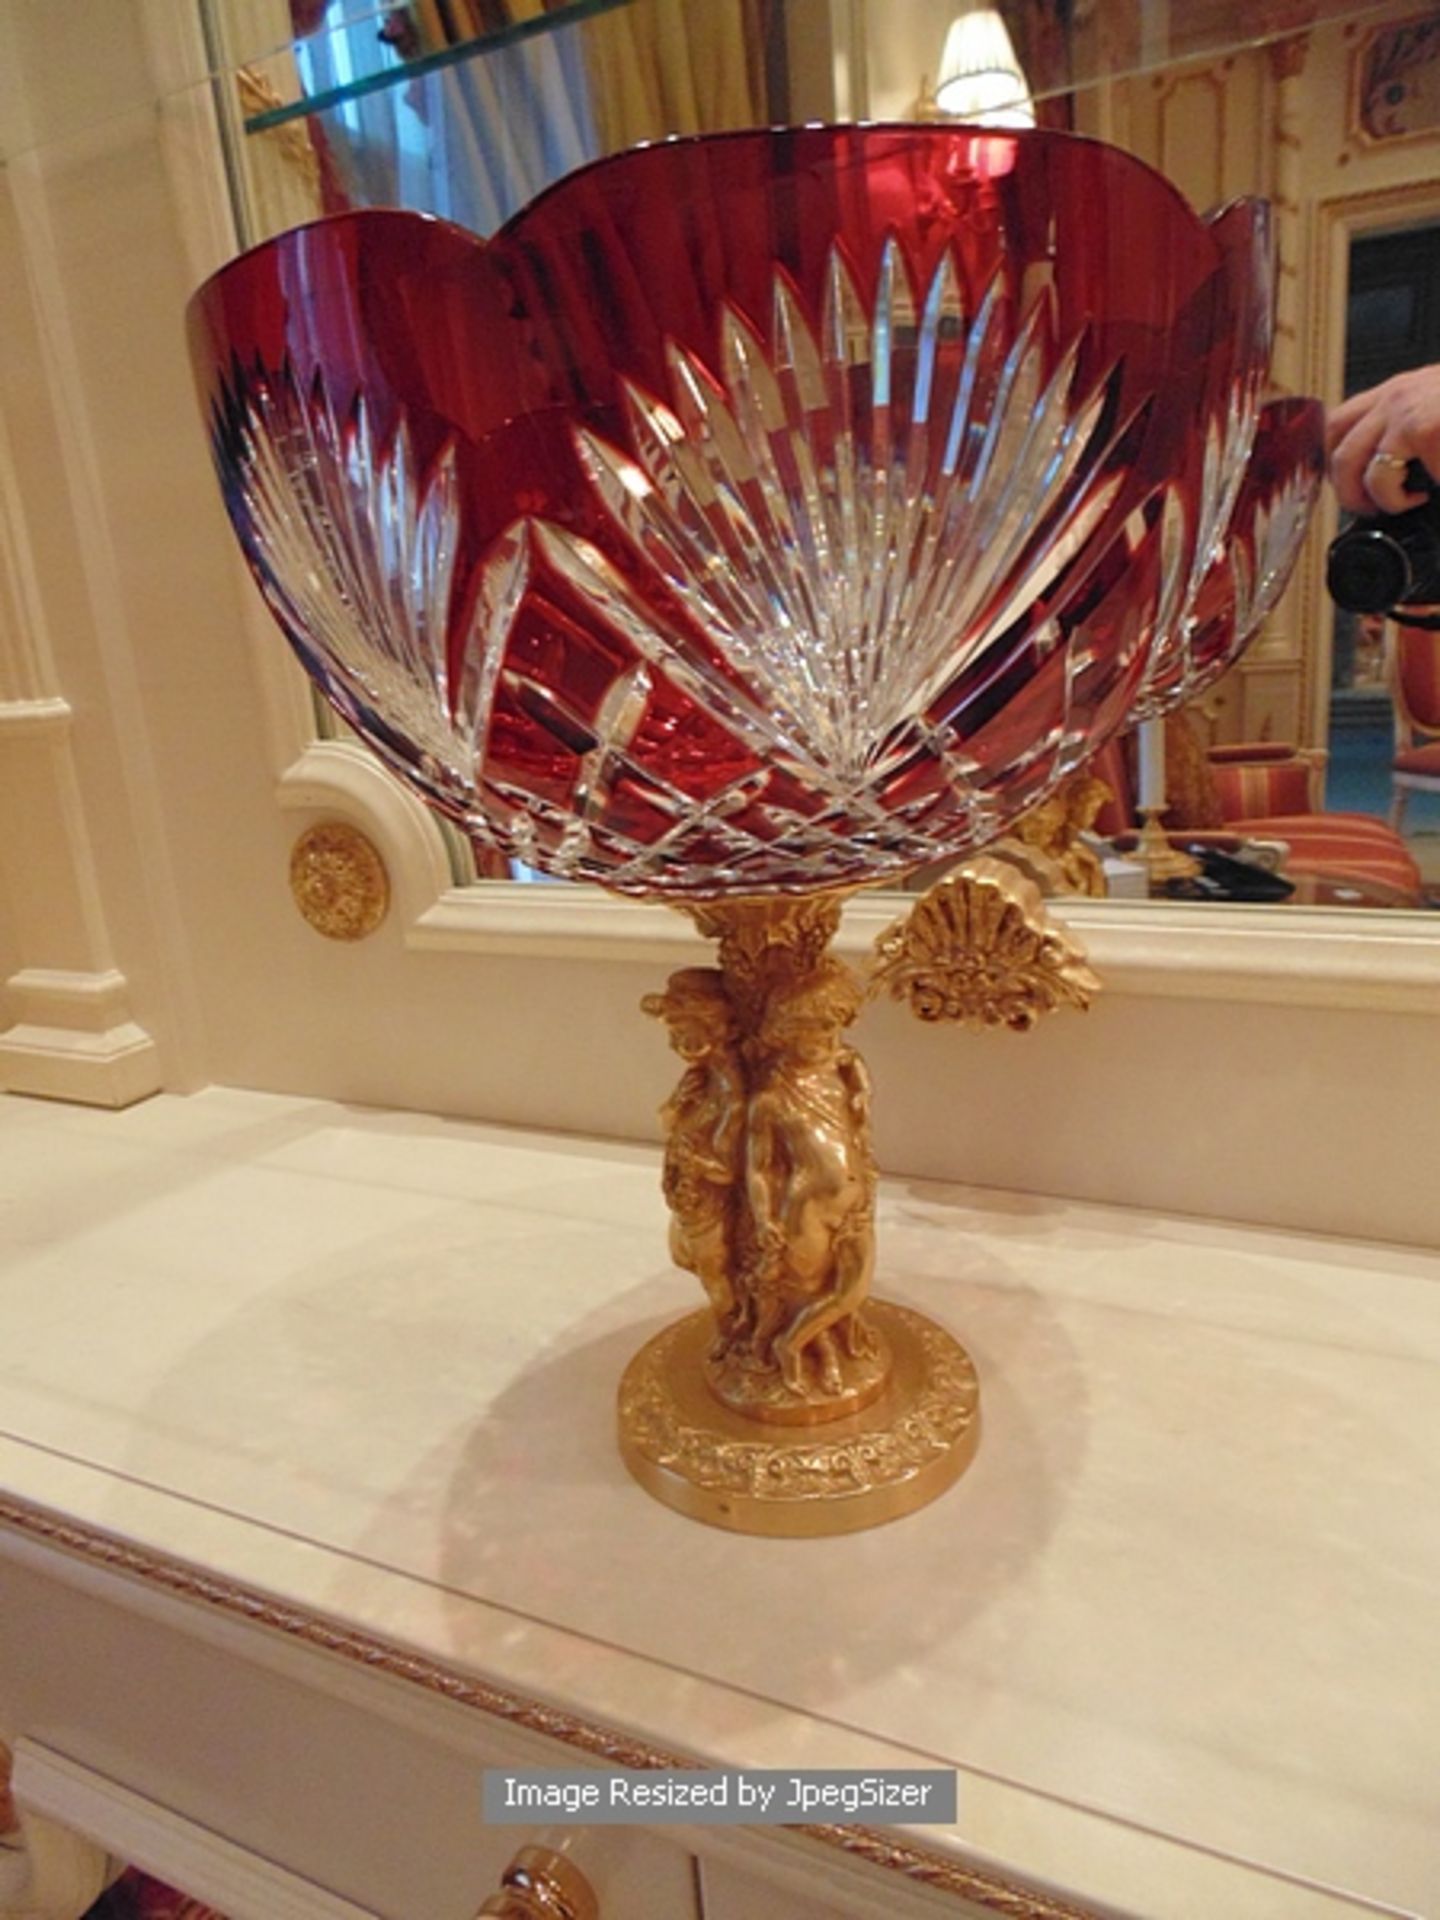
{"x":659,"y":67}
{"x":1040,"y":30}
{"x":472,"y":142}
{"x":475,"y":141}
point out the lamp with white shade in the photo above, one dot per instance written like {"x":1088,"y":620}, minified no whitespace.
{"x":981,"y":80}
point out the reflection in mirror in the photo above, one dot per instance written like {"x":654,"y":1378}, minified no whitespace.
{"x":401,"y":107}
{"x":1305,"y":775}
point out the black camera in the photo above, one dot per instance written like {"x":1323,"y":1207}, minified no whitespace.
{"x":1390,"y":562}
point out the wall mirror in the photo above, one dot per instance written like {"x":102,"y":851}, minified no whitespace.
{"x":1329,"y":108}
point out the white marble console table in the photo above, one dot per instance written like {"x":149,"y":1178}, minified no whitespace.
{"x":310,"y":1508}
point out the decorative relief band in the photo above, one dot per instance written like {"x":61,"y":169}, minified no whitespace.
{"x":805,"y":1463}
{"x":1011,"y":1899}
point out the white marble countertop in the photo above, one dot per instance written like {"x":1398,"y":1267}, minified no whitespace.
{"x":1179,"y":1626}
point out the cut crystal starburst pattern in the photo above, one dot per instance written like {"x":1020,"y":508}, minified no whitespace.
{"x":770,"y":511}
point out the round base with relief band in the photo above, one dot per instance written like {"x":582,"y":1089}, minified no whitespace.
{"x":752,"y":1476}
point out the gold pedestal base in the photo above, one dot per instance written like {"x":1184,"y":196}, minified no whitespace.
{"x":753,"y":1476}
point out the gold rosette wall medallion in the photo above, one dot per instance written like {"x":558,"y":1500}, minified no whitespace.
{"x":338,"y":881}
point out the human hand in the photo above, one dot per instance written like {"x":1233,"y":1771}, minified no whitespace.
{"x":1373,"y":436}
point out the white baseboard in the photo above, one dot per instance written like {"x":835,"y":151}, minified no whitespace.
{"x":73,"y":1039}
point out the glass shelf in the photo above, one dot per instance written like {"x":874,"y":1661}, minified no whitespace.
{"x":874,"y":73}
{"x":392,"y":68}
{"x":339,"y":118}
{"x":360,"y":105}
{"x":1116,"y":41}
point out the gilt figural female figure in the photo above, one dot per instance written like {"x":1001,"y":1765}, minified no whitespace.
{"x":810,"y":1185}
{"x":771,"y":1182}
{"x":704,"y":1122}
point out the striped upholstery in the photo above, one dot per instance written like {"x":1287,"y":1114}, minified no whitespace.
{"x":1339,"y":846}
{"x":1271,"y":791}
{"x":1279,"y":783}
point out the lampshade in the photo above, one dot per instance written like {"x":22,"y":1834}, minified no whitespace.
{"x":981,"y":80}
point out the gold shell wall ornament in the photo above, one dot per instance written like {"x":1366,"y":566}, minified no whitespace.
{"x":338,"y":881}
{"x":979,"y":948}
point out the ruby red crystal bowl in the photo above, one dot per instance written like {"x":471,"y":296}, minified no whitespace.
{"x":760,"y":512}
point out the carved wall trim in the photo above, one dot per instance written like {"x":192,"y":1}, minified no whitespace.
{"x":1287,"y":63}
{"x":341,"y":777}
{"x":71,"y":1035}
{"x":72,"y":1038}
{"x":1288,"y":56}
{"x":56,"y":1045}
{"x":1317,"y":957}
{"x":27,"y":672}
{"x":1187,"y":97}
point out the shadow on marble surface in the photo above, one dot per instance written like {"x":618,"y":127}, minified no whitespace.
{"x":543,"y":1517}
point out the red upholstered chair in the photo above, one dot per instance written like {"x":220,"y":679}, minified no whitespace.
{"x":1414,"y":665}
{"x":1266,"y":791}
{"x":1261,"y":778}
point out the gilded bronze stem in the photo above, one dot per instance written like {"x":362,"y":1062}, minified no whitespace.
{"x":793,"y":1404}
{"x":769,"y":1172}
